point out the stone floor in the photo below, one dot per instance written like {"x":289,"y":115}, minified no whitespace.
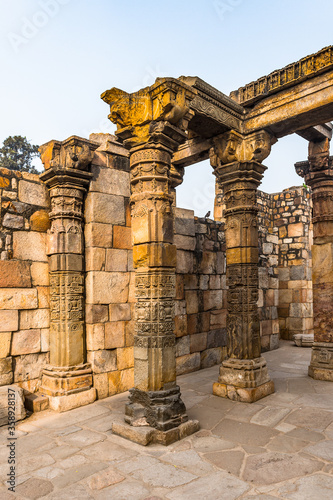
{"x":279,"y":447}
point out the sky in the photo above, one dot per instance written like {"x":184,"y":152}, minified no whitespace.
{"x":58,"y":56}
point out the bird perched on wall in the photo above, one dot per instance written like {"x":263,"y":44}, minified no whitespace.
{"x":207,"y":214}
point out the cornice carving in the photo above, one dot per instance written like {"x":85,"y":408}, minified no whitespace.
{"x":308,"y":66}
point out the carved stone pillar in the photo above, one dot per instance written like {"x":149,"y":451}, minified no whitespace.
{"x":237,"y":164}
{"x":152,"y":124}
{"x":68,"y":379}
{"x":318,"y":174}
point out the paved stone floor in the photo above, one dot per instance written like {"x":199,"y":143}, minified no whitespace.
{"x":279,"y":447}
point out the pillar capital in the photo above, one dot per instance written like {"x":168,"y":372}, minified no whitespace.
{"x":155,"y":114}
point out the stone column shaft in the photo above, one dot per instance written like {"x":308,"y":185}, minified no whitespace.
{"x":318,"y":174}
{"x":243,"y":376}
{"x":68,"y":373}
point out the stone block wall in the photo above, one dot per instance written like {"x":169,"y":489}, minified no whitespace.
{"x":292,"y":221}
{"x":200,"y":292}
{"x":24,"y":279}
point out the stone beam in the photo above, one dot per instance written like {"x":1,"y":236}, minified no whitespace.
{"x":317,"y":133}
{"x":307,"y":104}
{"x":192,"y":151}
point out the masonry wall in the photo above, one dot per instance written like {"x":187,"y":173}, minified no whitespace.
{"x":24,"y":280}
{"x":285,"y":299}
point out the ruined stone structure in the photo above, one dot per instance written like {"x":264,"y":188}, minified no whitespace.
{"x":108,"y":286}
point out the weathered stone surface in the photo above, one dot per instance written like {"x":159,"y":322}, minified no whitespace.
{"x":18,"y":298}
{"x":105,"y":208}
{"x":29,"y":366}
{"x":40,"y":274}
{"x":307,"y":488}
{"x":188,"y":363}
{"x":71,"y":401}
{"x":5,"y":342}
{"x":13,"y":221}
{"x":230,"y":461}
{"x":29,"y":246}
{"x":241,"y":432}
{"x":102,"y":361}
{"x":105,"y":478}
{"x":120,"y":312}
{"x":95,"y":336}
{"x":271,"y":468}
{"x":8,"y":320}
{"x":39,"y":318}
{"x":210,"y":357}
{"x":34,"y":488}
{"x":114,"y":334}
{"x":116,"y":259}
{"x":8,"y":395}
{"x":105,"y":288}
{"x":6,"y":373}
{"x":98,"y":235}
{"x":110,"y":181}
{"x":125,"y":358}
{"x":122,"y":237}
{"x":310,"y":418}
{"x":96,"y":313}
{"x":26,"y":342}
{"x":33,"y":193}
{"x":184,"y":222}
{"x":40,"y":221}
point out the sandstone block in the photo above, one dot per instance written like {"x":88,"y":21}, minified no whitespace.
{"x":192,"y":301}
{"x":11,"y":394}
{"x":212,"y":299}
{"x":120,"y":312}
{"x":114,"y":334}
{"x":33,"y":193}
{"x":29,"y":246}
{"x":29,"y":366}
{"x":6,"y":371}
{"x":104,"y":208}
{"x":101,"y":384}
{"x":114,"y":382}
{"x":185,"y":242}
{"x":8,"y":321}
{"x":105,"y":288}
{"x":102,"y":361}
{"x":14,"y":274}
{"x":5,"y":342}
{"x":94,"y":259}
{"x":40,"y":274}
{"x":13,"y":221}
{"x":122,"y":237}
{"x":25,"y":342}
{"x":36,"y":402}
{"x":18,"y":298}
{"x":184,"y":262}
{"x":210,"y":357}
{"x":43,"y":297}
{"x":198,"y":342}
{"x":126,"y":379}
{"x":95,"y":336}
{"x":40,"y":221}
{"x":39,"y":318}
{"x":215,"y":282}
{"x":297,"y":273}
{"x":184,"y":222}
{"x":204,"y":282}
{"x":217,"y":338}
{"x":98,"y":235}
{"x":208,"y":263}
{"x":295,"y":230}
{"x":45,"y":339}
{"x":96,"y":313}
{"x":188,"y":363}
{"x":125,"y":358}
{"x":183,"y":346}
{"x":218,"y":319}
{"x":116,"y":259}
{"x":181,"y":325}
{"x":110,"y":181}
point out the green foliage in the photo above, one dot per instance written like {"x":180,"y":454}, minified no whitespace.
{"x":17,"y":154}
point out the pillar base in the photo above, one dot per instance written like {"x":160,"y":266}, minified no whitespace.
{"x":245,"y":380}
{"x":147,"y":435}
{"x":321,"y":366}
{"x":65,"y":380}
{"x":71,"y":401}
{"x":161,"y":410}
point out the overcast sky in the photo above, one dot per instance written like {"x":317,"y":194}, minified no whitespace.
{"x":58,"y":56}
